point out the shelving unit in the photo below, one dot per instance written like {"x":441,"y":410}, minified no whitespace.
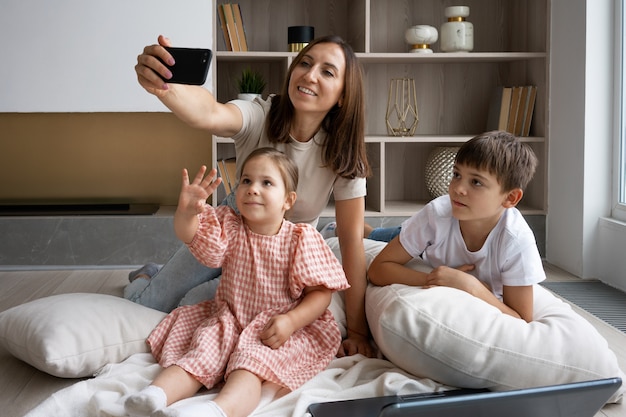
{"x":511,"y":47}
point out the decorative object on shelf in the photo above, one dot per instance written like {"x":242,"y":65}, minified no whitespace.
{"x":438,"y":170}
{"x":250,"y":85}
{"x":299,"y":36}
{"x":401,"y":117}
{"x":420,"y":37}
{"x":457,"y":35}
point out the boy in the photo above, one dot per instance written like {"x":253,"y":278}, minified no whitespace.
{"x":474,"y":238}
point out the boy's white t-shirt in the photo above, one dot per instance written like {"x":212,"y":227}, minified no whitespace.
{"x":316,"y":182}
{"x":508,"y":257}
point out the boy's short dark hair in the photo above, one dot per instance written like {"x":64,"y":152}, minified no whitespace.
{"x":502,"y":154}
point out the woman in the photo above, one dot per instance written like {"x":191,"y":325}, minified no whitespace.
{"x":318,"y":120}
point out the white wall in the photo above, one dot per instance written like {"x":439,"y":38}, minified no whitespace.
{"x":611,"y":253}
{"x":564,"y":237}
{"x":581,"y":144}
{"x":78,"y":56}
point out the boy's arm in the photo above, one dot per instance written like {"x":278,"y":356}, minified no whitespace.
{"x":519,"y":299}
{"x":389,"y":267}
{"x":315,"y":301}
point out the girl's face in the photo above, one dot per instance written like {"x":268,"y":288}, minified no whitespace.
{"x":261,"y":196}
{"x":317,"y":82}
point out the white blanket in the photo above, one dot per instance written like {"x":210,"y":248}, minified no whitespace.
{"x":345,"y":378}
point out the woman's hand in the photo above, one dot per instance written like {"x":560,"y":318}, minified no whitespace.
{"x":150,"y":65}
{"x":356,"y":343}
{"x":193,"y":104}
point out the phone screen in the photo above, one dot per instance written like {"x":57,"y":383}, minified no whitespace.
{"x":191,"y":65}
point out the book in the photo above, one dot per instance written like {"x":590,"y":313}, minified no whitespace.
{"x":241,"y":33}
{"x":220,"y":12}
{"x":498,"y":116}
{"x":513,"y":108}
{"x":227,"y":169}
{"x":230,"y":26}
{"x":529,"y":109}
{"x":521,"y":111}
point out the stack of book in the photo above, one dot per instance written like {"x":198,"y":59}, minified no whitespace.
{"x":511,"y":109}
{"x":232,"y":26}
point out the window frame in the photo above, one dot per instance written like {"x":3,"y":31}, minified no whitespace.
{"x":619,"y":187}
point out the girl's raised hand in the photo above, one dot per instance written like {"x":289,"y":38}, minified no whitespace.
{"x":193,"y":195}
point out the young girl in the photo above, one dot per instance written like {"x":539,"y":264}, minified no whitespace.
{"x":269,"y":320}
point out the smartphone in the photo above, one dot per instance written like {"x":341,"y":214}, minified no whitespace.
{"x":191,"y":65}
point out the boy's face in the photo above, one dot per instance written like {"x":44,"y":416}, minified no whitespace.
{"x":476,"y":194}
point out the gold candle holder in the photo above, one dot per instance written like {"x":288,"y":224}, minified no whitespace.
{"x":402,"y":117}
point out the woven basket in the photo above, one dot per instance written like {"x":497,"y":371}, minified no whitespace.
{"x":438,"y":171}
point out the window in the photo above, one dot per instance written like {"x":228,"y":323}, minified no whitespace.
{"x":619,"y":210}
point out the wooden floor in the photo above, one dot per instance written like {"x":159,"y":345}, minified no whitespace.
{"x":23,"y":387}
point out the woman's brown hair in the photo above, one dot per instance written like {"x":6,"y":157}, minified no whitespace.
{"x":344,"y":147}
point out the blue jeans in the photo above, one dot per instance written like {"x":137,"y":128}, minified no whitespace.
{"x":181,"y":281}
{"x":384,"y":234}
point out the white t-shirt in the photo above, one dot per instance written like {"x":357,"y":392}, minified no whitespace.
{"x":508,"y":257}
{"x":315,"y":184}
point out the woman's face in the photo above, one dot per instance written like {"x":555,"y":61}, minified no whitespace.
{"x":317,"y":81}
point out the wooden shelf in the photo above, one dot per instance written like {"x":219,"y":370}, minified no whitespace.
{"x":447,"y":58}
{"x":253,"y":56}
{"x":453,"y":89}
{"x":390,"y":57}
{"x":437,"y":139}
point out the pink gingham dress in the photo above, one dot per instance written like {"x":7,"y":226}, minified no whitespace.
{"x":261,"y":276}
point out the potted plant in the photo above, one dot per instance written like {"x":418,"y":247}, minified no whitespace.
{"x":250,"y":85}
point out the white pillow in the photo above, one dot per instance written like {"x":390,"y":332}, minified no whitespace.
{"x":454,"y":338}
{"x":372,"y":248}
{"x":337,"y":304}
{"x":74,"y":335}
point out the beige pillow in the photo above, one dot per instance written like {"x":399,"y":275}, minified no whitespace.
{"x":74,"y":335}
{"x":454,"y":338}
{"x":337,"y":304}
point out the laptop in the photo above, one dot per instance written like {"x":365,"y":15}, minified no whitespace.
{"x":579,"y":399}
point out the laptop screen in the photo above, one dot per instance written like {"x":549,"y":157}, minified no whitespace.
{"x":580,"y":399}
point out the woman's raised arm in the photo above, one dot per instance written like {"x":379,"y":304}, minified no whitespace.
{"x":194,"y":105}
